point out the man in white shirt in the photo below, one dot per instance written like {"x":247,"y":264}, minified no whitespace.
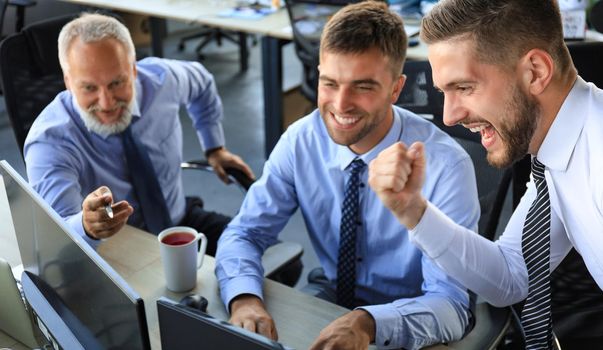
{"x":505,"y":72}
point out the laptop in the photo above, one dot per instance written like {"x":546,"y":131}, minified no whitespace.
{"x":182,"y":327}
{"x":14,"y":318}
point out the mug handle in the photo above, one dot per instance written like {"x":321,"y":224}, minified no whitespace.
{"x":201,"y":253}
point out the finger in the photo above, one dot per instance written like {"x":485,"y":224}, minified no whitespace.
{"x":121,"y":207}
{"x":318,"y":344}
{"x":249,"y":325}
{"x":96,"y":200}
{"x":417,"y":176}
{"x":266,"y":329}
{"x":219,"y":170}
{"x":241,"y":165}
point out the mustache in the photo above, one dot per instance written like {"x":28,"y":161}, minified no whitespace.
{"x":97,"y":108}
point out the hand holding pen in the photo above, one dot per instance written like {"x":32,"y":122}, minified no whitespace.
{"x":101,"y":217}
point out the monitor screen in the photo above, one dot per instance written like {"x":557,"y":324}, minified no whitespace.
{"x":181,"y":327}
{"x":65,"y":271}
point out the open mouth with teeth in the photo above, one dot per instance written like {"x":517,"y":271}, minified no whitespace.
{"x":487,"y":131}
{"x":345,"y":122}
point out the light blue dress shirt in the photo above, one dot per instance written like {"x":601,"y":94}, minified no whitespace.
{"x":412,"y":301}
{"x":66,"y":162}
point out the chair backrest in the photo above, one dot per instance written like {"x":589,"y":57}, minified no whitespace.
{"x":420,"y":96}
{"x":307,"y":23}
{"x":30,"y":72}
{"x":586,"y":55}
{"x":3,"y":6}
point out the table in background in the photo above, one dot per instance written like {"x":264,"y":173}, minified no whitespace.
{"x":274,"y":28}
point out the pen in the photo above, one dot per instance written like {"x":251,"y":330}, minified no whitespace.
{"x":109,"y":210}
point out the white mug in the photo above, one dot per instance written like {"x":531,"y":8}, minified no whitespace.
{"x":181,"y":260}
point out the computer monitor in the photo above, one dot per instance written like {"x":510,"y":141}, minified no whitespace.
{"x":77,"y":298}
{"x":183,"y":327}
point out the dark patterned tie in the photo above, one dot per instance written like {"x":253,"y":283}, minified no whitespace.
{"x":346,"y":261}
{"x":146,"y":186}
{"x":536,"y":315}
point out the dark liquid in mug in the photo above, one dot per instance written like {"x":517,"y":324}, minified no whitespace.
{"x":178,"y":238}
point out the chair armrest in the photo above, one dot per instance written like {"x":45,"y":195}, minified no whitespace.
{"x":236,"y":175}
{"x":491,"y":325}
{"x":280,"y":255}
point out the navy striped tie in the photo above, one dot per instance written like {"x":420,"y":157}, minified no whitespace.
{"x":346,"y":261}
{"x":536,"y":241}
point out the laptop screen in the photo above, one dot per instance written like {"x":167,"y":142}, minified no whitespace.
{"x":183,"y":327}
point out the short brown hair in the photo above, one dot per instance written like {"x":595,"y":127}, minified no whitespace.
{"x":360,"y":27}
{"x":502,"y":30}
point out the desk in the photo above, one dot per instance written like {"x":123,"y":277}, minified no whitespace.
{"x":143,"y":271}
{"x":274,"y":28}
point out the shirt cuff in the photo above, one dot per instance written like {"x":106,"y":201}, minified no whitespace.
{"x":240,"y":285}
{"x":211,"y":137}
{"x":434,"y":233}
{"x":387,"y":325}
{"x":75,"y":223}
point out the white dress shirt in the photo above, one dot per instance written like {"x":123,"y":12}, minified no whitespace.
{"x":572,"y":153}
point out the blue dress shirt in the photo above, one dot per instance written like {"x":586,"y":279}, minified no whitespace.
{"x":66,"y":162}
{"x":412,"y":301}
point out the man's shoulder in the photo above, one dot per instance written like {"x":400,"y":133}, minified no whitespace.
{"x":55,"y":121}
{"x":308,"y":126}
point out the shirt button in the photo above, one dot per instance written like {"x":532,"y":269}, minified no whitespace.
{"x":386,"y":343}
{"x":362,"y":184}
{"x":359,"y":259}
{"x":358,"y":222}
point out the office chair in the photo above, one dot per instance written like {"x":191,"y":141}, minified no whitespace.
{"x":307,"y":23}
{"x":207,"y":34}
{"x":31,"y":77}
{"x":3,"y":7}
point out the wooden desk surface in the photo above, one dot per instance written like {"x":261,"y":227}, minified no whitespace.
{"x":134,"y":254}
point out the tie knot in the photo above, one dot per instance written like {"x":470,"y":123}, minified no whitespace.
{"x":357,"y":165}
{"x":537,"y":170}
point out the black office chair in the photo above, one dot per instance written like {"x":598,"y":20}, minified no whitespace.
{"x":209,"y":34}
{"x":31,"y":77}
{"x":306,"y":26}
{"x":3,"y":8}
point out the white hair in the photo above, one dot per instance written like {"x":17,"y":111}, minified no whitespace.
{"x":93,"y":27}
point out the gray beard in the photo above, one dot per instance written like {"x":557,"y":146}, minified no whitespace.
{"x":94,"y":125}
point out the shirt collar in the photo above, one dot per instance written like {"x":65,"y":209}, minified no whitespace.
{"x":560,"y":141}
{"x":345,"y":155}
{"x":138,"y":101}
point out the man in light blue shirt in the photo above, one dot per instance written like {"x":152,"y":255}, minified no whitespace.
{"x":405,"y":300}
{"x":74,"y":151}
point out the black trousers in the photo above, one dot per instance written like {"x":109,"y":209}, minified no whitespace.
{"x":210,"y":223}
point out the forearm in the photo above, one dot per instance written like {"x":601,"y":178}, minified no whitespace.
{"x":238,"y":266}
{"x":418,"y":322}
{"x":494,"y":272}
